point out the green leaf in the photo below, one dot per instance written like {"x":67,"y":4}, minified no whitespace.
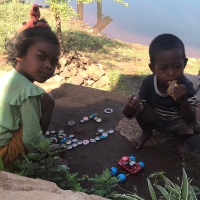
{"x":184,"y":186}
{"x":164,"y":192}
{"x":1,"y":164}
{"x":151,"y":190}
{"x":192,"y":194}
{"x":174,"y":191}
{"x":128,"y":196}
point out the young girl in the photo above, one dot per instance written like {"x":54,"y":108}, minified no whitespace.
{"x":26,"y":109}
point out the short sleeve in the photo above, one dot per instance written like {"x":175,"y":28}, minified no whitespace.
{"x":31,"y":113}
{"x":25,"y":93}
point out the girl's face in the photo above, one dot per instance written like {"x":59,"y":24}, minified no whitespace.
{"x":40,"y":61}
{"x":169,"y":65}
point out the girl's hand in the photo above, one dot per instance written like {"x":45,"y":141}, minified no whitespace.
{"x":179,"y":93}
{"x":132,"y":105}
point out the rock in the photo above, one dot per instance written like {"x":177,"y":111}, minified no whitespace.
{"x":19,"y":187}
{"x":83,"y":73}
{"x":66,"y":74}
{"x":62,"y":62}
{"x":58,"y":78}
{"x":105,"y":79}
{"x":95,"y":72}
{"x":70,"y":66}
{"x":77,"y":80}
{"x":90,"y":82}
{"x":74,"y":71}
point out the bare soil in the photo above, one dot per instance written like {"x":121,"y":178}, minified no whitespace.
{"x":74,"y":102}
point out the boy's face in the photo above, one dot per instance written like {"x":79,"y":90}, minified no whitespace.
{"x":169,"y":65}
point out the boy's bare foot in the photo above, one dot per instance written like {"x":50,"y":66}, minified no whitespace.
{"x":182,"y":148}
{"x":141,"y":139}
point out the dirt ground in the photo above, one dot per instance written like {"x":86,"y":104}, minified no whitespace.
{"x":74,"y":102}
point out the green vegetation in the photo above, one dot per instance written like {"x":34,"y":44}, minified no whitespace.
{"x":44,"y":164}
{"x":172,"y":190}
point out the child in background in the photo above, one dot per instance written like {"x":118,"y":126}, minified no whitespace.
{"x":156,"y":109}
{"x":26,"y":109}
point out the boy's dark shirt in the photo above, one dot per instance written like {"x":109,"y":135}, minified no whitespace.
{"x":164,"y":105}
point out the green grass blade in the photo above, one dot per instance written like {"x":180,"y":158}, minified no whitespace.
{"x":151,"y":190}
{"x":192,"y":194}
{"x":164,"y":192}
{"x":169,"y":183}
{"x":184,"y":186}
{"x":174,"y":191}
{"x":1,"y":164}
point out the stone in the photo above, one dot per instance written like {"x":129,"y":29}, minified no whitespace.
{"x":66,"y":74}
{"x":62,"y":62}
{"x":77,"y":80}
{"x":13,"y":186}
{"x":83,"y":73}
{"x":90,"y":82}
{"x":95,"y":72}
{"x":58,"y":78}
{"x":74,"y":72}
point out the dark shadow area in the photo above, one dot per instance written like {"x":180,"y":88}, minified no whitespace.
{"x":75,"y":102}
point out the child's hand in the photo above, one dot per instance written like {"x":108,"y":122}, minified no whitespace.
{"x":179,"y":93}
{"x":132,"y":105}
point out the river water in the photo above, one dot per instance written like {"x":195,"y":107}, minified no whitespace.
{"x":145,"y":19}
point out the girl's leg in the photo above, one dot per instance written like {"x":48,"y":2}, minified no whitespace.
{"x":11,"y":151}
{"x":47,"y":108}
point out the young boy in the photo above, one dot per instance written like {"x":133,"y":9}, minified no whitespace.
{"x":155,"y":108}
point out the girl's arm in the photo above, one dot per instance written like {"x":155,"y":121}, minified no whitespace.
{"x":47,"y":107}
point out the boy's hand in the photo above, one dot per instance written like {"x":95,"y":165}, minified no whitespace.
{"x":179,"y":93}
{"x":132,"y":105}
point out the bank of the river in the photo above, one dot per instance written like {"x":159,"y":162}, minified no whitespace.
{"x":120,"y":60}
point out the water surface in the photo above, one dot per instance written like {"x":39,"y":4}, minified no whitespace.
{"x":145,"y":19}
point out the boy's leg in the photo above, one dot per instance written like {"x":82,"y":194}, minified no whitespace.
{"x":47,"y":107}
{"x":182,"y":131}
{"x":181,"y":145}
{"x":148,"y":120}
{"x":143,"y":137}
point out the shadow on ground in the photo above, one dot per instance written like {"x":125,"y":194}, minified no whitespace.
{"x":75,"y":102}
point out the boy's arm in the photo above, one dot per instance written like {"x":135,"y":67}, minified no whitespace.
{"x":131,"y":106}
{"x":179,"y":93}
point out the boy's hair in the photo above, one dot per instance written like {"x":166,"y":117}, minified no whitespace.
{"x":165,"y":42}
{"x":19,"y":44}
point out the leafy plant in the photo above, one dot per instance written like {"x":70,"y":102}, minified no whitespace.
{"x":104,"y":184}
{"x":172,"y":191}
{"x":1,"y":164}
{"x":128,"y":197}
{"x":44,"y":164}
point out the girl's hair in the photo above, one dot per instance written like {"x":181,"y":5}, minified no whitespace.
{"x":165,"y":42}
{"x":19,"y":44}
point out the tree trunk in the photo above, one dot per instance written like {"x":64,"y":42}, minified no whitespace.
{"x":59,"y":33}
